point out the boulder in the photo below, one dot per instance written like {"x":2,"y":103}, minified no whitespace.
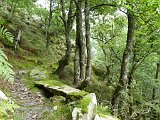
{"x":58,"y":88}
{"x":86,"y":108}
{"x":2,"y":96}
{"x":38,"y":74}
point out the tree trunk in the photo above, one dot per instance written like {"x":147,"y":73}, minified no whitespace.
{"x":49,"y":24}
{"x":88,"y":43}
{"x":79,"y":37}
{"x":17,"y":40}
{"x":76,"y":65}
{"x":126,"y":58}
{"x":153,"y":112}
{"x":130,"y":80}
{"x":68,"y":26}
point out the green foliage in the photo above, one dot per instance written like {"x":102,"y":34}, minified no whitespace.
{"x":102,"y":109}
{"x":7,"y":109}
{"x":63,"y":113}
{"x":83,"y":104}
{"x":5,"y":35}
{"x":76,"y":95}
{"x":5,"y":66}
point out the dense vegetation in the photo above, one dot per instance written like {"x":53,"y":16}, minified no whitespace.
{"x":109,"y":47}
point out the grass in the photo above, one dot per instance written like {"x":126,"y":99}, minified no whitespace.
{"x":62,"y":113}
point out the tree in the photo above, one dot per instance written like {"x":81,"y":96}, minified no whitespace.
{"x":67,"y":23}
{"x":126,"y":58}
{"x":80,"y":47}
{"x":88,"y":43}
{"x":49,"y":24}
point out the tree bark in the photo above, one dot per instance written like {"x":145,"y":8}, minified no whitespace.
{"x":68,"y":26}
{"x":17,"y":40}
{"x":130,"y":80}
{"x":125,"y":60}
{"x":79,"y":37}
{"x":153,"y":113}
{"x":88,"y":42}
{"x":49,"y":24}
{"x":76,"y":65}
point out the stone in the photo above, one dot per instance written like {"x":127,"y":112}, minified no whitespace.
{"x":3,"y":96}
{"x":22,"y":72}
{"x":38,"y":74}
{"x":86,"y":108}
{"x":76,"y":113}
{"x":58,"y":88}
{"x":105,"y":117}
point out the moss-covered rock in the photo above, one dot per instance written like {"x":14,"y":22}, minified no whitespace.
{"x":85,"y":108}
{"x":38,"y":73}
{"x":58,"y":100}
{"x":58,"y":88}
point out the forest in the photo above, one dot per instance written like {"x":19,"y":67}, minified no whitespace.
{"x":79,"y":59}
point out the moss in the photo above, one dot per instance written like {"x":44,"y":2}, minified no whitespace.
{"x":102,"y":115}
{"x":58,"y":100}
{"x":76,"y":95}
{"x":83,"y":104}
{"x":63,"y":113}
{"x":103,"y":110}
{"x":49,"y":82}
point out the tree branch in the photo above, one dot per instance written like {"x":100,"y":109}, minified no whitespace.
{"x":116,"y":55}
{"x":64,"y":22}
{"x":101,"y":5}
{"x":141,"y":60}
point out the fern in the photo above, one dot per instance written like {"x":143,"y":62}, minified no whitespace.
{"x":5,"y":67}
{"x":6,"y":35}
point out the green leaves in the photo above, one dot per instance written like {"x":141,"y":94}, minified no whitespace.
{"x":5,"y":67}
{"x":6,"y":107}
{"x":6,"y":37}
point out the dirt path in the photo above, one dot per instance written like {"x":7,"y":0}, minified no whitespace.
{"x":32,"y":104}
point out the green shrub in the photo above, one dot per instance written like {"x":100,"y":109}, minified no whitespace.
{"x":7,"y":108}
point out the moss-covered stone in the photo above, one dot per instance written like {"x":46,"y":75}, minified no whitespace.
{"x":76,"y":95}
{"x":58,"y":88}
{"x":48,"y":83}
{"x":58,"y":100}
{"x":83,"y":104}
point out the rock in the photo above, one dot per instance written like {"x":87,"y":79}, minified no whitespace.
{"x":105,"y":117}
{"x":2,"y":96}
{"x":86,"y":108}
{"x":76,"y":113}
{"x":58,"y":88}
{"x":22,"y":72}
{"x":38,"y":74}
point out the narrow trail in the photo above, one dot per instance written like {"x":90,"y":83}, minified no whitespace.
{"x":32,"y":104}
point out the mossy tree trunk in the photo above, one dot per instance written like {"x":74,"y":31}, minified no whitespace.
{"x":125,"y":60}
{"x":88,"y":42}
{"x":79,"y":44}
{"x":76,"y":65}
{"x":85,"y":82}
{"x":68,"y":23}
